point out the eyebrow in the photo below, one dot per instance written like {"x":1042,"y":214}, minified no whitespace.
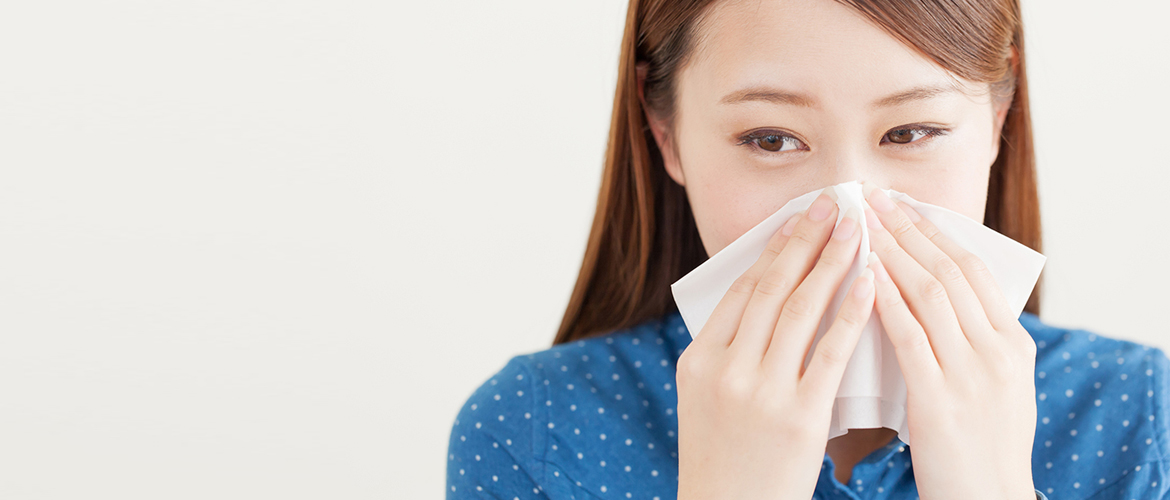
{"x":777,"y":96}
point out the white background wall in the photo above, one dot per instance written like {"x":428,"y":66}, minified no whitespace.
{"x":265,"y":249}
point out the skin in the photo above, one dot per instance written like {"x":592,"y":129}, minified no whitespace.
{"x":831,"y":54}
{"x":956,"y":339}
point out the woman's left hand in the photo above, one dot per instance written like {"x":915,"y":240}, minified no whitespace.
{"x":968,"y":363}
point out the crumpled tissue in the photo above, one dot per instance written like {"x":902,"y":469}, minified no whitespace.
{"x":872,"y":393}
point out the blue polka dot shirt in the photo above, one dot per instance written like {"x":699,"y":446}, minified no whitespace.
{"x":595,"y":419}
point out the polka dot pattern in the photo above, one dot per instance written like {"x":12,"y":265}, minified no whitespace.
{"x":1102,"y":429}
{"x":597,"y":418}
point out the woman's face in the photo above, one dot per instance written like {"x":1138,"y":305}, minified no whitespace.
{"x":783,"y":97}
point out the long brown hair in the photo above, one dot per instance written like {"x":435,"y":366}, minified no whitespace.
{"x":644,"y":236}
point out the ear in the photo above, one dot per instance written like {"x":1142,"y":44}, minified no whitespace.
{"x":662,"y":137}
{"x":1000,"y":110}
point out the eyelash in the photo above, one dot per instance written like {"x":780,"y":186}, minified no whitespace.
{"x":749,"y":140}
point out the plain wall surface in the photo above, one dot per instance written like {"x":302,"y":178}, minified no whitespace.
{"x":261,"y":249}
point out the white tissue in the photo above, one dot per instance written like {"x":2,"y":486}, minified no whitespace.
{"x":872,"y":392}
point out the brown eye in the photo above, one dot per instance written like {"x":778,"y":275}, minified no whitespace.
{"x":773,"y":143}
{"x":913,"y":136}
{"x":901,"y":136}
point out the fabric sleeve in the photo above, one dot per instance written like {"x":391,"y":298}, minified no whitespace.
{"x":1149,"y":480}
{"x":492,"y":451}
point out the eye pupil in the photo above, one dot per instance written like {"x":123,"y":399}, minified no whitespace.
{"x":772,"y":142}
{"x":902,"y":136}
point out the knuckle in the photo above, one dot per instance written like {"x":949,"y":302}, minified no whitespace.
{"x":886,"y":246}
{"x":831,"y":353}
{"x":902,"y":228}
{"x":1021,"y":342}
{"x":1003,"y":368}
{"x":832,"y":260}
{"x":799,"y":306}
{"x":929,"y":230}
{"x":774,"y":398}
{"x":850,"y":318}
{"x":774,"y":284}
{"x":932,"y":291}
{"x":948,"y":271}
{"x":918,"y":342}
{"x":803,"y":239}
{"x":744,"y":284}
{"x":796,"y":429}
{"x":733,"y":386}
{"x":691,"y":365}
{"x":1029,"y":348}
{"x":774,"y":246}
{"x":770,"y":252}
{"x":972,"y":263}
{"x":891,"y":300}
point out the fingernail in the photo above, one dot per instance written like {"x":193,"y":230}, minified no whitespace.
{"x":864,"y":284}
{"x":844,"y":229}
{"x":910,"y":212}
{"x":877,"y":198}
{"x":823,"y":206}
{"x":879,"y":269}
{"x":866,"y":187}
{"x":790,"y":225}
{"x":871,"y":219}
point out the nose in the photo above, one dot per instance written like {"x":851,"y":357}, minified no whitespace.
{"x":845,"y":166}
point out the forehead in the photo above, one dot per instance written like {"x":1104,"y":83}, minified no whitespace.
{"x":818,"y":47}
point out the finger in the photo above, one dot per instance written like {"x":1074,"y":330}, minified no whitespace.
{"x":821,"y":379}
{"x":801,"y":314}
{"x":968,"y":310}
{"x":995,"y":306}
{"x":783,"y":275}
{"x":924,"y":295}
{"x":911,"y":344}
{"x":721,"y":326}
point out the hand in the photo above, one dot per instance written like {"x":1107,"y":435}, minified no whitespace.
{"x":753,"y":421}
{"x":968,"y":363}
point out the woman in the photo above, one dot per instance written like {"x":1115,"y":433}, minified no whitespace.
{"x":724,"y":111}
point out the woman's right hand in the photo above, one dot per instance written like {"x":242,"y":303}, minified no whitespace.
{"x":752,"y":421}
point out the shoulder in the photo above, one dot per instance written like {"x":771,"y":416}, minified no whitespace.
{"x":649,"y":348}
{"x":1081,"y":367}
{"x":546,"y":415}
{"x":1102,"y":410}
{"x":491,"y":446}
